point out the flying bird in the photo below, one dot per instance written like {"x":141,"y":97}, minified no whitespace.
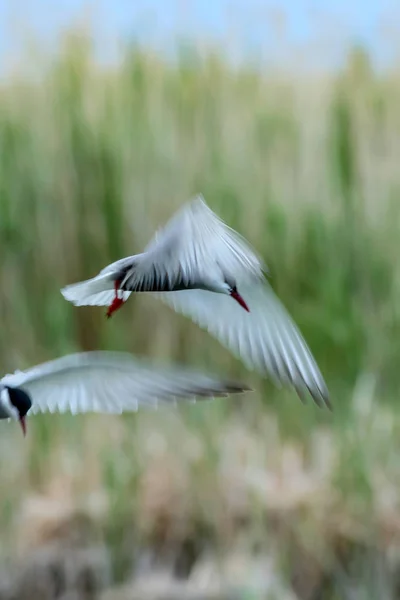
{"x":205,"y":270}
{"x":105,"y":382}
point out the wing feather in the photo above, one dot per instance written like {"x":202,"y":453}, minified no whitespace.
{"x":266,"y":339}
{"x":113,"y":382}
{"x":194,"y":245}
{"x":193,"y":250}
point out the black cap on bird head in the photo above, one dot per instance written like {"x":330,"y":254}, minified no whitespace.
{"x":22,"y":402}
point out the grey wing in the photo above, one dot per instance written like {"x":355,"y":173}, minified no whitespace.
{"x":266,"y":339}
{"x":114,"y":382}
{"x":193,"y":244}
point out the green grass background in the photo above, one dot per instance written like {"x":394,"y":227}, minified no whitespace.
{"x":306,"y":167}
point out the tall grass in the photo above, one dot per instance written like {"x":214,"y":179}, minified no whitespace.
{"x":92,"y":160}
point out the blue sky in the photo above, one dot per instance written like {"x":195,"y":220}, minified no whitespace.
{"x":262,"y":28}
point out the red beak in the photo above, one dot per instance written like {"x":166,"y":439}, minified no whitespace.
{"x":23,"y":425}
{"x":236,"y":296}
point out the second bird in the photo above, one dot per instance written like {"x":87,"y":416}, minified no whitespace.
{"x":204,"y":269}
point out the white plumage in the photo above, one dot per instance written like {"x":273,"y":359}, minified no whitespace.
{"x":195,"y":250}
{"x":199,"y":266}
{"x":112,"y":382}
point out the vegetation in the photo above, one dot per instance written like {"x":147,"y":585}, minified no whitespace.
{"x":92,"y":160}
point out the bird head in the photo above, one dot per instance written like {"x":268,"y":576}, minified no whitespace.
{"x":231,"y":289}
{"x":16,"y":403}
{"x":236,"y":296}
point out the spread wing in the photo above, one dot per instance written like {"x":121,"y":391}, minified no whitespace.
{"x":193,"y":250}
{"x":266,"y":339}
{"x":192,"y":247}
{"x":113,"y":382}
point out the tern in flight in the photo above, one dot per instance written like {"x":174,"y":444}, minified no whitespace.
{"x":104,"y":382}
{"x":205,"y":270}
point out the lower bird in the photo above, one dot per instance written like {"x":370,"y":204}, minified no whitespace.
{"x":204,"y":269}
{"x":110,"y":382}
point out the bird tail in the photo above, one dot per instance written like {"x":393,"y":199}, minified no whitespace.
{"x":98,"y":291}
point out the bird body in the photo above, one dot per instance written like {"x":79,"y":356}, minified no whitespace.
{"x":197,"y":264}
{"x":195,"y":250}
{"x":107,"y":382}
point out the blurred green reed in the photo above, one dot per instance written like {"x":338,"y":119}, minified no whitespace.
{"x":94,"y":159}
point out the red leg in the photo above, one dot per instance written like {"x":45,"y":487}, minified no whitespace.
{"x":116,"y":303}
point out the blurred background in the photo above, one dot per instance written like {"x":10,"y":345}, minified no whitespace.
{"x":287,"y":118}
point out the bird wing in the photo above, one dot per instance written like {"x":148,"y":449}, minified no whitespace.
{"x":113,"y":382}
{"x":193,"y":246}
{"x":120,"y":264}
{"x":266,"y":339}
